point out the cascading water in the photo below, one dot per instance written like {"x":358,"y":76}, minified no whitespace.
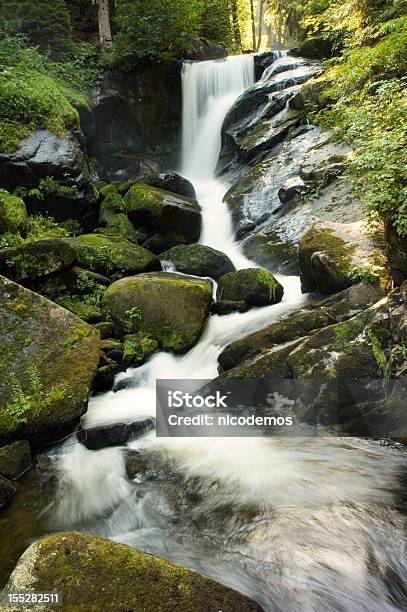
{"x":295,"y":524}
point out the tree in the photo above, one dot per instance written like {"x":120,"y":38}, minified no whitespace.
{"x":105,"y":32}
{"x":236,"y":26}
{"x":262,"y":10}
{"x":253,"y":25}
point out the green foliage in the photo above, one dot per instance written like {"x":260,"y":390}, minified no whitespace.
{"x":156,"y":28}
{"x":133,"y":317}
{"x":365,"y":274}
{"x":38,"y":228}
{"x":216,"y":23}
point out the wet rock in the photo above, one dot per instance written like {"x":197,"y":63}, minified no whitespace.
{"x":198,"y":260}
{"x":42,"y":155}
{"x":271,"y":250}
{"x":287,"y":330}
{"x":254,"y":286}
{"x":292,"y":188}
{"x":52,"y":356}
{"x":163,"y":211}
{"x":158,"y":243}
{"x":114,"y":257}
{"x":103,"y":436}
{"x":332,"y":256}
{"x":170,"y":308}
{"x":13,"y":213}
{"x":104,"y":377}
{"x":352,"y":301}
{"x":15,"y":459}
{"x":135,"y":465}
{"x":325,"y":162}
{"x":269,"y":363}
{"x":93,"y":571}
{"x":171,"y":181}
{"x":7,"y":490}
{"x":36,"y":259}
{"x":225,"y":307}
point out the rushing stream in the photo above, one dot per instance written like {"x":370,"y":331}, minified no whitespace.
{"x":299,"y":524}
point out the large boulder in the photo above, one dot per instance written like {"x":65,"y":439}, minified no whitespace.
{"x":34,"y":260}
{"x":163,"y":211}
{"x":254,"y":286}
{"x":113,"y":256}
{"x":13,"y":213}
{"x":48,"y":360}
{"x":333,"y":256}
{"x":198,"y":260}
{"x":169,"y":308}
{"x":43,"y":155}
{"x":96,"y":574}
{"x":171,"y":181}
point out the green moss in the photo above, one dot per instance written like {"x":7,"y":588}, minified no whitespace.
{"x":346,"y":332}
{"x":13,"y":214}
{"x":378,"y":353}
{"x":337,"y":249}
{"x":138,"y":347}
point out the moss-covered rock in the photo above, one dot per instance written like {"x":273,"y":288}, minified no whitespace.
{"x":13,"y":213}
{"x":163,"y":211}
{"x":137,"y":348}
{"x":254,"y":286}
{"x":48,"y":359}
{"x":170,"y":308}
{"x":333,"y":256}
{"x":94,"y":574}
{"x":198,"y":260}
{"x":120,"y":226}
{"x":171,"y":181}
{"x":15,"y":459}
{"x":105,"y":329}
{"x":113,"y":256}
{"x":36,"y":259}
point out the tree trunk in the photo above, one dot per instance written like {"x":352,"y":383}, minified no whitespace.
{"x":253,"y":24}
{"x":236,"y":28}
{"x":105,"y":33}
{"x":261,"y":20}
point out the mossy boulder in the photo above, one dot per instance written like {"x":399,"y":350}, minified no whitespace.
{"x":34,"y":260}
{"x":198,"y":260}
{"x":163,"y":211}
{"x":120,"y":226}
{"x":170,"y":308}
{"x":13,"y":213}
{"x":114,"y":257}
{"x":15,"y":459}
{"x":254,"y":286}
{"x":91,"y":573}
{"x":332,"y":256}
{"x":171,"y":181}
{"x":48,"y":360}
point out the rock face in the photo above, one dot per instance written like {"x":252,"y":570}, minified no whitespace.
{"x":36,"y":259}
{"x":163,"y":211}
{"x":198,"y":260}
{"x":171,"y":181}
{"x":115,"y":257}
{"x":48,"y":360}
{"x":253,"y":286}
{"x":15,"y":459}
{"x":334,"y":255}
{"x":43,"y":155}
{"x":93,"y":573}
{"x":169,"y":308}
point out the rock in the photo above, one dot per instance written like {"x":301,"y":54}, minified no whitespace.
{"x":15,"y":459}
{"x":135,"y":465}
{"x":198,"y":260}
{"x":171,"y":181}
{"x":7,"y":490}
{"x":104,"y":377}
{"x":96,"y":573}
{"x":170,"y":308}
{"x":95,"y":438}
{"x":202,"y":51}
{"x":332,"y":256}
{"x":34,"y":260}
{"x":105,"y":328}
{"x":254,"y":286}
{"x":350,"y":302}
{"x":287,"y":330}
{"x":325,"y":162}
{"x":110,"y":344}
{"x":292,"y":188}
{"x":43,"y":155}
{"x":396,"y":251}
{"x":270,"y":249}
{"x":120,"y":226}
{"x":163,"y":212}
{"x":13,"y":213}
{"x":271,"y":363}
{"x":138,"y":348}
{"x":263,"y":61}
{"x":225,"y":307}
{"x":48,"y":360}
{"x":112,"y":256}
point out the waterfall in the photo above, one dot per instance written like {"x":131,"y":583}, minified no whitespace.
{"x":208,"y":90}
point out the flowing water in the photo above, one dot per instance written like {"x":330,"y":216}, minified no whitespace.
{"x":300,"y":524}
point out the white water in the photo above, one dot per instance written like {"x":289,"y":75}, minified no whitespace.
{"x":296,"y":524}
